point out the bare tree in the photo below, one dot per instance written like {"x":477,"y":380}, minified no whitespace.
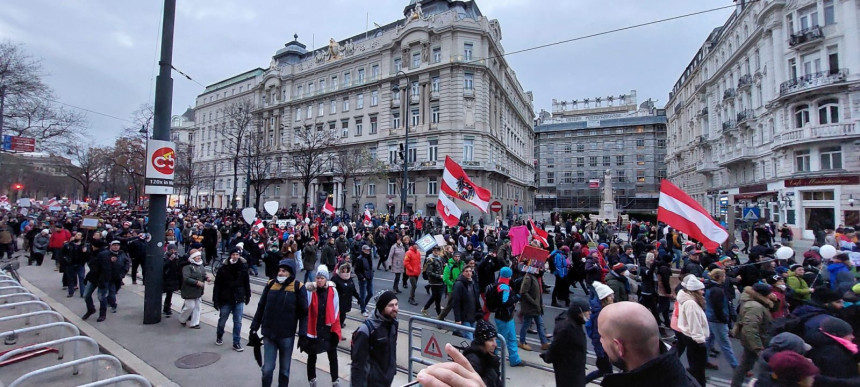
{"x":352,"y":164}
{"x":86,"y":167}
{"x":28,"y":107}
{"x":128,"y":159}
{"x":260,"y":163}
{"x":313,"y":150}
{"x":187,"y":170}
{"x":238,"y":120}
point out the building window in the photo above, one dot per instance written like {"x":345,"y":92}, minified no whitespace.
{"x":410,"y":188}
{"x":333,"y":82}
{"x":397,"y":65}
{"x":434,"y":82}
{"x":374,"y":72}
{"x":374,"y":124}
{"x":818,"y":195}
{"x":592,"y":161}
{"x":299,"y":91}
{"x":619,"y":160}
{"x":347,"y":78}
{"x":607,"y":161}
{"x":434,"y":114}
{"x":640,"y":159}
{"x":801,"y":115}
{"x":831,"y":157}
{"x":412,"y":153}
{"x":359,"y":101}
{"x":345,"y":104}
{"x":828,"y":111}
{"x":801,"y":161}
{"x":468,"y":149}
{"x":568,"y":148}
{"x":661,"y":144}
{"x":829,"y":13}
{"x":467,"y":51}
{"x":332,"y":107}
{"x":310,"y":88}
{"x":344,"y":128}
{"x":619,"y":144}
{"x":640,"y":175}
{"x":415,"y":90}
{"x":374,"y":98}
{"x":661,"y":174}
{"x":358,"y":127}
{"x":416,"y":59}
{"x":580,"y":176}
{"x":550,"y":177}
{"x":298,"y":114}
{"x":469,"y":81}
{"x":322,"y":85}
{"x":392,"y":187}
{"x":640,"y":143}
{"x":808,"y":17}
{"x":372,"y":154}
{"x":320,"y":109}
{"x":567,"y":177}
{"x":621,"y":174}
{"x":580,"y":162}
{"x":294,"y":189}
{"x":415,"y":117}
{"x":360,"y":76}
{"x":432,"y":186}
{"x":371,"y":189}
{"x":310,"y":112}
{"x":356,"y":189}
{"x":395,"y":120}
{"x":550,"y":163}
{"x":580,"y":148}
{"x":437,"y":54}
{"x":432,"y":150}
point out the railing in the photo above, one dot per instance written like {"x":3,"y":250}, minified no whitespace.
{"x":811,"y":34}
{"x":729,"y":125}
{"x":729,"y":93}
{"x":745,"y":81}
{"x":744,"y":115}
{"x":704,"y":111}
{"x":734,"y":155}
{"x":811,"y":133}
{"x":679,"y":106}
{"x":809,"y":81}
{"x":114,"y":362}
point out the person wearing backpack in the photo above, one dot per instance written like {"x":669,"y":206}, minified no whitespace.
{"x":560,"y":267}
{"x":374,"y":345}
{"x":502,"y":302}
{"x":752,"y":327}
{"x":449,"y":276}
{"x":433,"y":272}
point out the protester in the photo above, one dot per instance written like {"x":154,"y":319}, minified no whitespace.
{"x":363,"y":267}
{"x":323,"y":325}
{"x":466,"y":301}
{"x":785,"y":341}
{"x":567,"y":352}
{"x":531,"y":306}
{"x":412,"y":266}
{"x":434,"y":269}
{"x":374,"y":345}
{"x":789,"y":369}
{"x":752,"y":327}
{"x":693,"y":331}
{"x":231,"y":293}
{"x":834,"y":350}
{"x":346,"y":291}
{"x":481,"y":354}
{"x":603,"y":297}
{"x":172,"y":277}
{"x":504,"y":315}
{"x":396,"y":256}
{"x":718,"y":312}
{"x":194,"y":278}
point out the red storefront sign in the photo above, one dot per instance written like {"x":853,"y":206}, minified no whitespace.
{"x":835,"y":180}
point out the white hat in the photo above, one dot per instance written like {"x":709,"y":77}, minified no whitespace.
{"x":322,"y":270}
{"x":195,"y":254}
{"x":240,"y":245}
{"x":692,"y":283}
{"x":602,"y":290}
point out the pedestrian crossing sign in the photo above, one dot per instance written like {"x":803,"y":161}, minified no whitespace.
{"x":751,"y":214}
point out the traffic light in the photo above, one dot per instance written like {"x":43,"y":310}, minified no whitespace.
{"x":17,"y":186}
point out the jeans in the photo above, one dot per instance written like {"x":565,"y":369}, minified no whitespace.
{"x":253,"y":270}
{"x":225,"y":311}
{"x":225,"y":244}
{"x":74,"y":277}
{"x":447,"y":308}
{"x":508,"y":330}
{"x":720,"y":333}
{"x":676,"y":258}
{"x":748,"y":359}
{"x":107,"y":296}
{"x":365,"y":292}
{"x":435,"y":297}
{"x":309,"y":274}
{"x":469,"y":335}
{"x":527,"y":321}
{"x":283,"y":350}
{"x":88,"y":297}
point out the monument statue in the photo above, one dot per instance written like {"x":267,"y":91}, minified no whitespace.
{"x":607,"y":208}
{"x":333,"y":49}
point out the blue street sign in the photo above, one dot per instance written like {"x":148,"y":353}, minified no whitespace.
{"x":751,"y":214}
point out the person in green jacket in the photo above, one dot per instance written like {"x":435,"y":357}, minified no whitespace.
{"x":800,"y":290}
{"x":449,"y":276}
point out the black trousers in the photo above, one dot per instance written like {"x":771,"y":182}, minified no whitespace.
{"x":435,"y":297}
{"x":697,"y":356}
{"x":561,"y":290}
{"x":332,"y":361}
{"x":135,"y":264}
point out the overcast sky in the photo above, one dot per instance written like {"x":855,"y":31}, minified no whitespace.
{"x":102,"y":54}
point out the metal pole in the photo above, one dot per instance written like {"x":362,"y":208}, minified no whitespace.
{"x":405,"y":151}
{"x":158,"y":203}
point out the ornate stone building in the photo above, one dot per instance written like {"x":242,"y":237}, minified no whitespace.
{"x":461,"y":99}
{"x":766,"y":115}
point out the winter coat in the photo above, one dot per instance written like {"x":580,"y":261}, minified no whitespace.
{"x":73,"y":254}
{"x":191,"y":274}
{"x":530,"y":295}
{"x":466,"y":300}
{"x":58,"y":238}
{"x":754,"y":320}
{"x":591,"y":327}
{"x":663,"y":276}
{"x":309,"y":257}
{"x":325,"y":338}
{"x":485,"y":364}
{"x":328,"y":255}
{"x":254,"y":252}
{"x":40,"y":244}
{"x":813,"y":314}
{"x":232,"y":284}
{"x":111,"y":271}
{"x":346,"y":291}
{"x":593,"y":272}
{"x":395,"y":257}
{"x":692,"y":321}
{"x":620,"y":285}
{"x":282,"y":310}
{"x":799,"y":287}
{"x":567,"y":353}
{"x":374,"y":351}
{"x":412,"y":262}
{"x":452,"y":272}
{"x":834,"y":269}
{"x":363,"y":267}
{"x":831,"y":357}
{"x":716,"y":303}
{"x":435,"y":270}
{"x":664,"y":370}
{"x":172,"y":273}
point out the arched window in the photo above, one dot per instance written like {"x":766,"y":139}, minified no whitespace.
{"x":828,"y":111}
{"x":801,"y":115}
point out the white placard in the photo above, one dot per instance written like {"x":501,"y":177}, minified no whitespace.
{"x":271,"y":207}
{"x":249,"y":214}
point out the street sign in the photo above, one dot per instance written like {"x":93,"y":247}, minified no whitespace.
{"x":433,"y":343}
{"x":751,"y":214}
{"x":160,"y":165}
{"x":496,"y":206}
{"x":19,"y":144}
{"x":594,"y":184}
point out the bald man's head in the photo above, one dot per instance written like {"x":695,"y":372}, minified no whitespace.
{"x":629,"y":334}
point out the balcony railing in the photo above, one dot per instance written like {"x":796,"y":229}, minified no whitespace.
{"x":729,"y":93}
{"x":745,"y":81}
{"x":736,"y":155}
{"x":729,"y":125}
{"x":808,"y":35}
{"x":744,"y":115}
{"x":814,"y":80}
{"x":811,"y":133}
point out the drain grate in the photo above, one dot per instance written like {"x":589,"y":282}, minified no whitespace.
{"x":197,"y":360}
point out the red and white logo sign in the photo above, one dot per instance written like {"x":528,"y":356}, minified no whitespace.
{"x":496,"y":206}
{"x":163,"y":160}
{"x":160,"y":168}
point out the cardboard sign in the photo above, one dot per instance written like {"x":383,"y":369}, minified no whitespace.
{"x":89,"y":223}
{"x":533,"y":259}
{"x":440,"y":240}
{"x":282,"y":223}
{"x":426,"y":242}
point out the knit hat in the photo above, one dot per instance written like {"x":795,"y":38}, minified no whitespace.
{"x":619,"y":268}
{"x":383,"y":299}
{"x":288,"y":264}
{"x":836,"y":327}
{"x":772,"y":280}
{"x":851,"y":297}
{"x":322,"y":271}
{"x":193,"y":255}
{"x":781,"y":270}
{"x":789,"y":341}
{"x":505,"y":272}
{"x":235,"y":250}
{"x":691,"y":283}
{"x":365,"y":247}
{"x":824,"y":295}
{"x":240,"y":245}
{"x":602,"y":290}
{"x":791,"y":367}
{"x":484,"y":332}
{"x":762,"y":288}
{"x":795,"y":267}
{"x":725,"y":259}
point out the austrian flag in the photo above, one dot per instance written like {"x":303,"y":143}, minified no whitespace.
{"x":538,"y":234}
{"x":328,"y":209}
{"x":681,"y":212}
{"x":456,"y":183}
{"x":448,"y":210}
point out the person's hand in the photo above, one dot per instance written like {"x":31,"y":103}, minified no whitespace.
{"x":453,"y":373}
{"x":200,"y":283}
{"x":812,"y":290}
{"x":772,"y":296}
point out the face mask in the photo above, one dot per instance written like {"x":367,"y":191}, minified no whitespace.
{"x":281,"y":279}
{"x":781,"y":287}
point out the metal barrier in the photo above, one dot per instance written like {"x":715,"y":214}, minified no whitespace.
{"x":8,"y":282}
{"x":58,"y":317}
{"x":15,"y":289}
{"x":52,"y":344}
{"x":14,"y":305}
{"x":122,"y":378}
{"x":75,"y":364}
{"x":501,"y":349}
{"x":71,"y":327}
{"x":4,"y":299}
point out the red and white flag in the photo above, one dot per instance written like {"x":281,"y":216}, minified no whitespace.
{"x":681,"y":212}
{"x":456,"y":183}
{"x":328,"y":209}
{"x":114,"y":201}
{"x":448,"y":210}
{"x":258,"y":227}
{"x":367,"y":215}
{"x":538,"y":234}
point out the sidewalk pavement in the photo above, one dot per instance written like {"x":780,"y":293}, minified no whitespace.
{"x":151,"y":350}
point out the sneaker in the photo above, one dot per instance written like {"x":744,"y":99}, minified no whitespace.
{"x":238,"y":347}
{"x":413,"y":303}
{"x":195,"y":326}
{"x":365,"y":314}
{"x":335,"y":384}
{"x":424,"y":312}
{"x":113,"y":309}
{"x":312,"y":382}
{"x":525,"y":347}
{"x":88,"y":314}
{"x":218,"y":341}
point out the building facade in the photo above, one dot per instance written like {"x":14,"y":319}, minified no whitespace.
{"x":765,"y":115}
{"x":460,"y":99}
{"x":582,"y":139}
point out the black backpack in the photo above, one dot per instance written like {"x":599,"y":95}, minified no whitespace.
{"x":790,"y":323}
{"x":493,"y":297}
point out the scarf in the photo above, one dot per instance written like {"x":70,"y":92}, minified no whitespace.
{"x":845,"y":343}
{"x":331,"y":318}
{"x":506,"y":288}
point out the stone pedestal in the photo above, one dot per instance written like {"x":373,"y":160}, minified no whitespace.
{"x":607,"y":207}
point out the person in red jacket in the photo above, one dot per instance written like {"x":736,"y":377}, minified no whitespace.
{"x":55,"y":244}
{"x":412,"y":264}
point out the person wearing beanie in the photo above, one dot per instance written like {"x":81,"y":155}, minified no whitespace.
{"x":504,"y":315}
{"x":789,"y":369}
{"x":785,"y":341}
{"x":692,"y":327}
{"x":825,"y":302}
{"x":346,"y":290}
{"x":194,"y":278}
{"x":567,"y":352}
{"x":172,"y":278}
{"x":779,"y":289}
{"x":449,"y":276}
{"x":232,"y":291}
{"x":800,"y":290}
{"x":618,"y":282}
{"x":374,"y":345}
{"x":282,"y":306}
{"x":841,"y":276}
{"x":481,"y":354}
{"x":363,"y":269}
{"x":323,"y":325}
{"x":833,"y":349}
{"x":559,"y":265}
{"x":604,"y":296}
{"x":752,"y":326}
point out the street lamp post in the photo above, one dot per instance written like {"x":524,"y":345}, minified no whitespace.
{"x":403,"y":189}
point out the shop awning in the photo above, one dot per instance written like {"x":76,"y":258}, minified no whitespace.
{"x":753,"y":195}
